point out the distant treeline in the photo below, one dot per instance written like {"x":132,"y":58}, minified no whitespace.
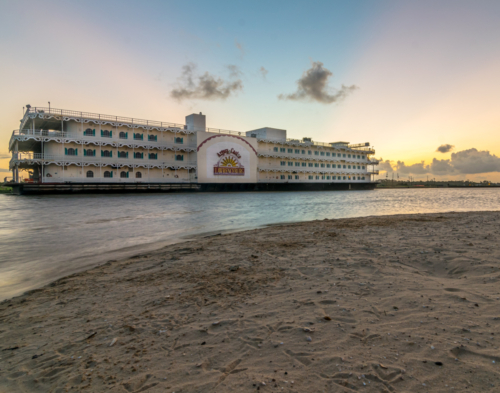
{"x":388,"y":183}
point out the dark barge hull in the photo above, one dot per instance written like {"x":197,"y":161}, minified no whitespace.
{"x":121,"y":188}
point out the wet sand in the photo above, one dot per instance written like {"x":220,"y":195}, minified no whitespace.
{"x":406,"y":303}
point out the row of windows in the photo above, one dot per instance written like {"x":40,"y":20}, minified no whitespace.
{"x":318,"y":165}
{"x":121,"y":154}
{"x":124,"y":135}
{"x":318,"y":153}
{"x":311,"y":177}
{"x":123,"y":174}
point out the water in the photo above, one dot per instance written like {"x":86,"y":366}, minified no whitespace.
{"x":46,"y":237}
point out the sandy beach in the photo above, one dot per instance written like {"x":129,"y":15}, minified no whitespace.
{"x":407,"y":303}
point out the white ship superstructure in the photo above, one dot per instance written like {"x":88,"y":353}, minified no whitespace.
{"x":59,"y":146}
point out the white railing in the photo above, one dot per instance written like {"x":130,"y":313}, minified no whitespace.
{"x":226,"y":132}
{"x":114,"y":139}
{"x":312,"y":157}
{"x":303,"y":169}
{"x":92,"y":159}
{"x":303,"y":143}
{"x":161,"y":124}
{"x":99,"y":116}
{"x":49,"y":133}
{"x":118,"y":119}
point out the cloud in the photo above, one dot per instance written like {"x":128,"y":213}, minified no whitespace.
{"x":474,"y":161}
{"x":5,"y":170}
{"x":385,"y":165}
{"x":158,"y":78}
{"x":313,"y":86}
{"x":234,"y":71}
{"x":465,"y":162}
{"x":416,"y":169}
{"x":4,"y":156}
{"x":240,"y":47}
{"x":263,"y":72}
{"x":206,"y":86}
{"x":442,"y":167}
{"x":445,"y":148}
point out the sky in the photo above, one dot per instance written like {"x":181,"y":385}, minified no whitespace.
{"x":419,"y":80}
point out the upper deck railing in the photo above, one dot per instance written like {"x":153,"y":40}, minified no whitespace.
{"x":161,"y":124}
{"x":314,"y":143}
{"x":99,"y":116}
{"x":118,"y":119}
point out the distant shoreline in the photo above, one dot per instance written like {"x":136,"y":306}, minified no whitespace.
{"x":381,"y":187}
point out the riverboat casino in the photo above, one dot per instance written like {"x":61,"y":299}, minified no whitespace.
{"x":71,"y":151}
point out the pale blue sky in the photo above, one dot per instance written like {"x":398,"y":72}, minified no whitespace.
{"x":427,"y":71}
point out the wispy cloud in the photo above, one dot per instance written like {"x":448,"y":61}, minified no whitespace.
{"x":313,"y":86}
{"x":4,"y":170}
{"x":240,"y":47}
{"x":4,"y":156}
{"x":158,"y":78}
{"x":445,"y":148}
{"x":234,"y":71}
{"x":263,"y":72}
{"x":206,"y":86}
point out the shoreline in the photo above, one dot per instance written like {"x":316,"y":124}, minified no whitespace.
{"x":379,"y":303}
{"x":127,"y":253}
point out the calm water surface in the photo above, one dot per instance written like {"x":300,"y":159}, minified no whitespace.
{"x":46,"y":237}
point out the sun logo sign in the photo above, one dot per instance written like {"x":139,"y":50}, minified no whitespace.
{"x":229,"y":164}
